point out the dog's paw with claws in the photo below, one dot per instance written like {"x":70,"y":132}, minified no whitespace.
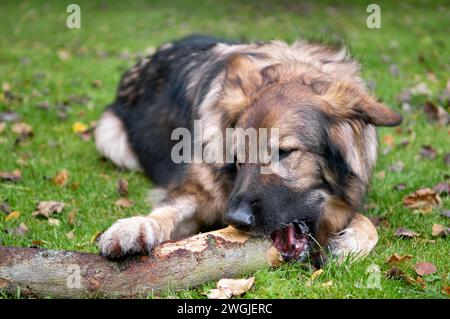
{"x":128,"y":236}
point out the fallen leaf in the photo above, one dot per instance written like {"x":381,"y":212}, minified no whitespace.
{"x":122,"y":187}
{"x":70,"y":235}
{"x":424,"y":268}
{"x":19,"y":231}
{"x":395,"y":273}
{"x":420,"y":89}
{"x":9,"y":116}
{"x":124,"y":202}
{"x":442,"y":188}
{"x":405,"y":232}
{"x":219,"y":294}
{"x":388,"y":140}
{"x":95,"y":237}
{"x":236,"y":286}
{"x":327,"y":284}
{"x":13,"y":176}
{"x":12,"y":216}
{"x":424,"y":198}
{"x":71,"y":217}
{"x":316,"y":274}
{"x":79,"y":128}
{"x":396,"y":258}
{"x":53,"y":221}
{"x":379,"y":221}
{"x":97,"y":83}
{"x":48,"y":208}
{"x":397,"y":167}
{"x":435,"y":113}
{"x":4,"y":208}
{"x":37,"y":243}
{"x":439,"y":230}
{"x":61,"y":178}
{"x":400,"y":187}
{"x":446,"y":290}
{"x":22,"y":129}
{"x":447,"y":159}
{"x":427,"y":151}
{"x":63,"y":54}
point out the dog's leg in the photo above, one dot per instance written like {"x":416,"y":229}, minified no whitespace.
{"x":188,"y":208}
{"x":357,"y":240}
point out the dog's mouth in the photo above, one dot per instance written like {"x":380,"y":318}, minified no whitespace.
{"x":292,"y":241}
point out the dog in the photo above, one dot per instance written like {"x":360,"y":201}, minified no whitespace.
{"x":311,"y":93}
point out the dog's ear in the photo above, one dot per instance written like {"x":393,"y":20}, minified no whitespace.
{"x":351,"y":101}
{"x":242,"y":75}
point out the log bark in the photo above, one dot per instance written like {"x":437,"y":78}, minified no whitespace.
{"x":173,"y":265}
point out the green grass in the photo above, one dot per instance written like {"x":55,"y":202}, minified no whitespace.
{"x":34,"y":31}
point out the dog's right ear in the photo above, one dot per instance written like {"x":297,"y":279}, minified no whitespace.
{"x":242,"y":79}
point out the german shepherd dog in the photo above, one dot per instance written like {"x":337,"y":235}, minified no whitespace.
{"x":313,"y":94}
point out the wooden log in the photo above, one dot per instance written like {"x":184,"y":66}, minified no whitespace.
{"x":173,"y":265}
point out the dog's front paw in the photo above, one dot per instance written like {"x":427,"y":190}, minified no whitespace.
{"x":128,"y":236}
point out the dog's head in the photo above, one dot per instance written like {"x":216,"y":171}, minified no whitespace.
{"x":326,"y":146}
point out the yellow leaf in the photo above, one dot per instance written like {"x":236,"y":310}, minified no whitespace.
{"x":316,"y":274}
{"x":12,"y":216}
{"x":79,"y":128}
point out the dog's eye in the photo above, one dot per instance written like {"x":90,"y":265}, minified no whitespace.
{"x":283,"y":153}
{"x":229,"y":168}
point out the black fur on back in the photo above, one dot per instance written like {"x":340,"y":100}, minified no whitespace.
{"x":153,"y":100}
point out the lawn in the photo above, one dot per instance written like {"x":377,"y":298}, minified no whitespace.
{"x":54,"y":77}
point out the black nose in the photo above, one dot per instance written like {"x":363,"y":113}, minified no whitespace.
{"x":241,"y":217}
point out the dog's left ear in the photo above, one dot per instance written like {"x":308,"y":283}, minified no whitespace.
{"x":378,"y":113}
{"x":350,"y":101}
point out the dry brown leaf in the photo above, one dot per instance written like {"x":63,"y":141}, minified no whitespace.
{"x":442,"y":188}
{"x":424,"y":268}
{"x":439,"y":230}
{"x":19,"y":231}
{"x":396,"y":258}
{"x":397,"y":167}
{"x":219,"y":294}
{"x":237,"y":286}
{"x":446,"y":290}
{"x":436,"y":113}
{"x":447,"y":158}
{"x":405,"y":232}
{"x":53,"y":221}
{"x":37,"y":243}
{"x":22,"y":129}
{"x":4,"y":208}
{"x":61,"y":178}
{"x":63,"y":54}
{"x":70,"y":235}
{"x":47,"y":208}
{"x":427,"y":151}
{"x":97,"y":83}
{"x":122,"y":187}
{"x":395,"y":273}
{"x":13,"y":176}
{"x":388,"y":139}
{"x":12,"y":216}
{"x":424,"y":198}
{"x":71,"y":217}
{"x":124,"y":202}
